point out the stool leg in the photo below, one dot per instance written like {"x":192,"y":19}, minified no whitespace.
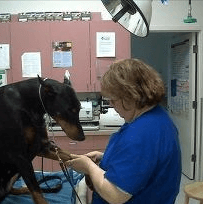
{"x":187,"y":199}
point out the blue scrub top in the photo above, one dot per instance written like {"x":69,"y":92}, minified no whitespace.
{"x":143,"y":158}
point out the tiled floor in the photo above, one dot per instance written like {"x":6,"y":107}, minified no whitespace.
{"x":181,"y":197}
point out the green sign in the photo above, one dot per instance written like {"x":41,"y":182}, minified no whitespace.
{"x":2,"y":71}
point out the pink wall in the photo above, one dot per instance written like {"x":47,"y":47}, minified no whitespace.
{"x":38,"y":37}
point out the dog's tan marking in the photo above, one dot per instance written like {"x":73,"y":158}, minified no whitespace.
{"x":38,"y":198}
{"x":29,"y":134}
{"x":19,"y":191}
{"x":71,"y":130}
{"x":11,"y":182}
{"x":64,"y":155}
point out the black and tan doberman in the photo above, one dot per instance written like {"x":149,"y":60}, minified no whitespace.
{"x":23,"y":133}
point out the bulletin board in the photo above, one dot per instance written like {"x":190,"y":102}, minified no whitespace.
{"x":180,"y":78}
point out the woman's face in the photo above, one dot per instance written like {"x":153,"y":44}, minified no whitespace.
{"x":127,"y":113}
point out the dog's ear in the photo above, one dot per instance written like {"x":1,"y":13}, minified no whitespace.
{"x":47,"y":87}
{"x":67,"y":78}
{"x":41,"y":81}
{"x":67,"y":81}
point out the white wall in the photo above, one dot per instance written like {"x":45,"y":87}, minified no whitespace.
{"x":162,"y":15}
{"x":173,"y":13}
{"x":154,"y":50}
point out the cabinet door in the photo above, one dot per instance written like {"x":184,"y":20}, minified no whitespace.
{"x":76,"y":32}
{"x":30,"y":37}
{"x":100,"y":142}
{"x":67,"y":144}
{"x":47,"y":164}
{"x":100,"y":65}
{"x":5,"y":33}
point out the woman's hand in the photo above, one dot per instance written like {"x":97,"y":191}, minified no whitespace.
{"x":80,"y":163}
{"x":101,"y":185}
{"x":95,"y":156}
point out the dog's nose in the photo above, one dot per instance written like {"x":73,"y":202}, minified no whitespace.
{"x":81,"y":137}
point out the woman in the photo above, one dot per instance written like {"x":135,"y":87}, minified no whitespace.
{"x":142,"y":162}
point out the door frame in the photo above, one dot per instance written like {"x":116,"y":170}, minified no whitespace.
{"x":199,"y":110}
{"x":187,"y":134}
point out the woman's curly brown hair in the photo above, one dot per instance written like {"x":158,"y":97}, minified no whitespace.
{"x":132,"y":79}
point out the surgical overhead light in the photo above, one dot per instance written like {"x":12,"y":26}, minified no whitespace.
{"x":134,"y":15}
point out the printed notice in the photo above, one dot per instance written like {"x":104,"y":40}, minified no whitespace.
{"x":106,"y":44}
{"x":62,"y":59}
{"x":4,"y":56}
{"x":31,"y":64}
{"x":62,"y":54}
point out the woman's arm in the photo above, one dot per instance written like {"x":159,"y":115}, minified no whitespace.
{"x":102,"y":186}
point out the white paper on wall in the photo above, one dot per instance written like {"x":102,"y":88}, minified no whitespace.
{"x":4,"y":56}
{"x":106,"y":45}
{"x":31,"y":64}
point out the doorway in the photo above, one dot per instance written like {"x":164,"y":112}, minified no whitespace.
{"x":173,"y":55}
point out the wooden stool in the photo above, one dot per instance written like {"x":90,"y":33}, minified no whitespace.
{"x":195,"y":191}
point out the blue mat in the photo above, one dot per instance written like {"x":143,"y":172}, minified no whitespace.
{"x":64,"y":196}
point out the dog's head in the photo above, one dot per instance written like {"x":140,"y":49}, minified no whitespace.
{"x":60,"y":101}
